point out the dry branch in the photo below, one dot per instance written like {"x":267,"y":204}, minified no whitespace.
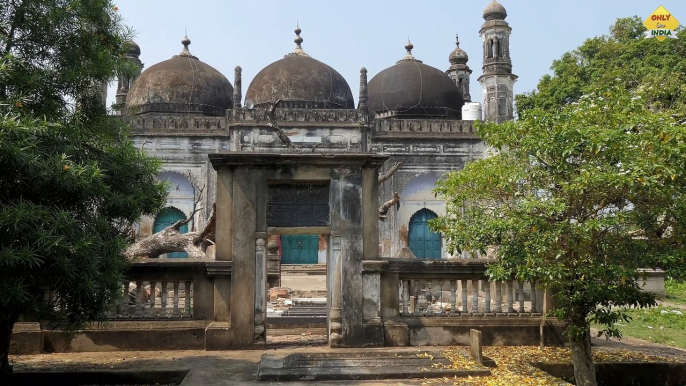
{"x":271,"y":114}
{"x":383,"y":209}
{"x":384,"y":177}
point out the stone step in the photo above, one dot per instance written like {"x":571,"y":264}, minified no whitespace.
{"x":305,"y":311}
{"x":284,"y":322}
{"x":309,"y":302}
{"x":359,"y":365}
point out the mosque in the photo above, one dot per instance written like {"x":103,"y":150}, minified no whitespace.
{"x":182,"y":109}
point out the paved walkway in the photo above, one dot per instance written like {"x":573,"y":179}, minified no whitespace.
{"x":240,"y":367}
{"x":211,"y":368}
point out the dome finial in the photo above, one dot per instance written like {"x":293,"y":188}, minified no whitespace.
{"x":457,"y":40}
{"x":409,"y":46}
{"x":185,"y":52}
{"x":298,"y":41}
{"x":408,"y":55}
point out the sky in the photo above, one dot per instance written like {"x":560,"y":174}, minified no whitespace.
{"x":351,"y":34}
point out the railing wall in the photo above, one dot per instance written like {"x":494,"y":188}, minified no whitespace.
{"x":457,"y":287}
{"x":165,"y":289}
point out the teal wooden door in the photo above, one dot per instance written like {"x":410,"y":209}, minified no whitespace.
{"x":299,"y":249}
{"x":424,"y":243}
{"x":167,"y":217}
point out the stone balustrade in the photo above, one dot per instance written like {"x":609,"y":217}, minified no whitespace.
{"x":152,"y":299}
{"x":409,"y":127}
{"x":458,"y":287}
{"x":461,"y":288}
{"x":298,"y":115}
{"x":164,"y":289}
{"x":465,"y":297}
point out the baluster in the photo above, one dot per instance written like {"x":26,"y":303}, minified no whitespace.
{"x":139,"y":299}
{"x":499,"y":297}
{"x":521,"y":297}
{"x":463,"y":284}
{"x":429,"y":299}
{"x":487,"y":298}
{"x":475,"y":296}
{"x":406,"y":297}
{"x":415,"y":286}
{"x":125,"y":301}
{"x":534,"y":308}
{"x":187,"y":290}
{"x":440,"y":291}
{"x":152,"y":311}
{"x":113,"y":312}
{"x":510,"y":301}
{"x":163,"y":299}
{"x":453,"y":298}
{"x":176,"y":312}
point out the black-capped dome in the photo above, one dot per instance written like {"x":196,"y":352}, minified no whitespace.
{"x":300,"y":81}
{"x":411,"y":89}
{"x":181,"y":84}
{"x":494,"y":11}
{"x":132,"y":49}
{"x":458,"y":56}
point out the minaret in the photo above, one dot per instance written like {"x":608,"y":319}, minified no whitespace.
{"x":125,"y":82}
{"x":459,"y":70}
{"x":497,"y":80}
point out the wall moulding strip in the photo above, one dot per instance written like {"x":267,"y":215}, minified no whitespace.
{"x":299,"y":230}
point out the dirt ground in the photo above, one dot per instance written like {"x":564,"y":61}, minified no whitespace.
{"x":240,"y":367}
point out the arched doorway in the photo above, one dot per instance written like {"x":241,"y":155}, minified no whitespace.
{"x":422,"y":242}
{"x":167,"y":217}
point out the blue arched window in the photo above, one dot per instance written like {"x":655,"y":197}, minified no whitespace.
{"x":167,"y":217}
{"x":422,"y":242}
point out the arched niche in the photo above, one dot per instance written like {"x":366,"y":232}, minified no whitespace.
{"x":424,"y":244}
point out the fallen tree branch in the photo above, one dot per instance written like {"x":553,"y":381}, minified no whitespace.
{"x":170,"y":239}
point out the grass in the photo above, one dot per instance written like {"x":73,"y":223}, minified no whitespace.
{"x":664,"y":325}
{"x":676,"y":291}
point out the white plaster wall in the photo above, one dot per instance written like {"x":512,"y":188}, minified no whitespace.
{"x":180,"y":189}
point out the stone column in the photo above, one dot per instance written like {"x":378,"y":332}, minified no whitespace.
{"x":224,"y":209}
{"x":237,"y":95}
{"x":354,"y":202}
{"x":260,"y":291}
{"x":363,"y":90}
{"x":217,"y":335}
{"x":273,"y":264}
{"x":334,"y":290}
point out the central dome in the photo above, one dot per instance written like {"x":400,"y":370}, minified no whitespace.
{"x":181,"y":84}
{"x":411,"y":89}
{"x":300,"y":81}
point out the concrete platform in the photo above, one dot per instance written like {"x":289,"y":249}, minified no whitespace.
{"x":362,"y":365}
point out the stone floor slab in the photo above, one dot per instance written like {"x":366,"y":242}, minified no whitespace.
{"x":362,"y":365}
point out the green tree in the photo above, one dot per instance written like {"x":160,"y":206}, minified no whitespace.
{"x":70,"y":180}
{"x":577,"y":199}
{"x":623,"y":58}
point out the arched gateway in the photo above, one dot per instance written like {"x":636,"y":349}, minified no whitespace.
{"x":264,"y":194}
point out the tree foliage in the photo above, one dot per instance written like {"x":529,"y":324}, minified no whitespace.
{"x":577,"y":199}
{"x":622,"y":58}
{"x":71,"y":181}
